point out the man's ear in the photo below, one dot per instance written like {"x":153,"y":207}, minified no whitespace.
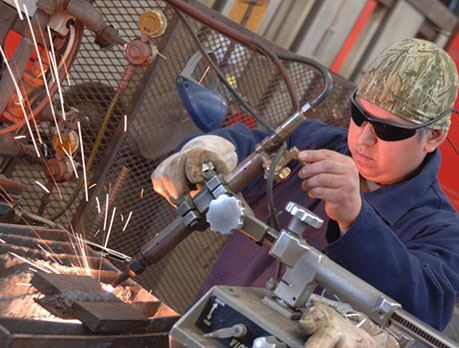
{"x":434,"y":139}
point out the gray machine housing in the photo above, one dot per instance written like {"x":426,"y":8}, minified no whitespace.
{"x":245,"y":301}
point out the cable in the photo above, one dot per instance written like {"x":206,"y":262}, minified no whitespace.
{"x":456,"y":111}
{"x":326,"y":75}
{"x":273,"y":220}
{"x":452,"y":145}
{"x":280,"y":67}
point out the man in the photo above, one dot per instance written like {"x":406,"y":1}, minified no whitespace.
{"x":388,"y":220}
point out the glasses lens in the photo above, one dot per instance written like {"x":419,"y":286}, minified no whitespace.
{"x":388,"y":132}
{"x":383,"y":130}
{"x":357,"y":116}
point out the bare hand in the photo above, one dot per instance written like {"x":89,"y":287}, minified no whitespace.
{"x":334,"y":178}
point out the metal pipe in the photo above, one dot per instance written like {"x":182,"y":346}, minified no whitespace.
{"x":245,"y":172}
{"x":350,"y":288}
{"x":37,"y":218}
{"x":90,"y":16}
{"x":11,"y":186}
{"x":86,"y":13}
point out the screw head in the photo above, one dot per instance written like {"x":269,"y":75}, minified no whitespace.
{"x":304,"y":215}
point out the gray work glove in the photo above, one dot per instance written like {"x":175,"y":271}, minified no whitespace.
{"x":328,"y":329}
{"x":174,"y":176}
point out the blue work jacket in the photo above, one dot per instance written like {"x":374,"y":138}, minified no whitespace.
{"x":405,"y":241}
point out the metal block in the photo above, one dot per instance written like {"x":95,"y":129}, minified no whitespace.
{"x":148,"y":308}
{"x":52,"y":284}
{"x":109,"y":316}
{"x":34,"y":334}
{"x":82,"y":297}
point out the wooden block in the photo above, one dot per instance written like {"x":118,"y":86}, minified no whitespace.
{"x":109,"y":316}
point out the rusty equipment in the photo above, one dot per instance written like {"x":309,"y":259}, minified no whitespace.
{"x":154,"y":128}
{"x":24,"y":322}
{"x":66,"y":19}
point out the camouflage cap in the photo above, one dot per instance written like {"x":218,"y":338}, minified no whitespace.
{"x":413,"y":79}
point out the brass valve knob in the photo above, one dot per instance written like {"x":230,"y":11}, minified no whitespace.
{"x":152,"y":23}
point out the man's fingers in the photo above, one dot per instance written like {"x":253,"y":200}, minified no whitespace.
{"x":312,"y":156}
{"x":322,"y":180}
{"x":325,"y":166}
{"x":327,"y":194}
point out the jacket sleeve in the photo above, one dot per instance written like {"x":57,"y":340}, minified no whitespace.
{"x":421,"y":273}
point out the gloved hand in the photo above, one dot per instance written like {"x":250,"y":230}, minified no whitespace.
{"x":328,"y":328}
{"x":174,"y":176}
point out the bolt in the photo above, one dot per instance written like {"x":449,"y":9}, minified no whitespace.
{"x":271,"y":284}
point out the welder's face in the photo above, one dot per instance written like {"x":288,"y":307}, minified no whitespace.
{"x":385,"y":162}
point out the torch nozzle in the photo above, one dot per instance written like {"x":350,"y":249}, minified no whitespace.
{"x":135,"y":268}
{"x":121,"y":279}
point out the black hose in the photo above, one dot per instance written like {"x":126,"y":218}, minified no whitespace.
{"x":273,"y":220}
{"x":326,"y":75}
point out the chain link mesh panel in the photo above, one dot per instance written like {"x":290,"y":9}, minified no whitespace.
{"x":157,"y":122}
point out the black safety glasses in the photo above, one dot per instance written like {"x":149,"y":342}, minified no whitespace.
{"x":386,"y":130}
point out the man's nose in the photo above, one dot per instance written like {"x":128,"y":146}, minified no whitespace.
{"x":367,"y":134}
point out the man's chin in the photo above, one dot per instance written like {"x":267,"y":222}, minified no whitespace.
{"x":365,"y":170}
{"x":369,"y":174}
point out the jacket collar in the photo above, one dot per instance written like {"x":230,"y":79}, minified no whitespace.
{"x":405,"y":193}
